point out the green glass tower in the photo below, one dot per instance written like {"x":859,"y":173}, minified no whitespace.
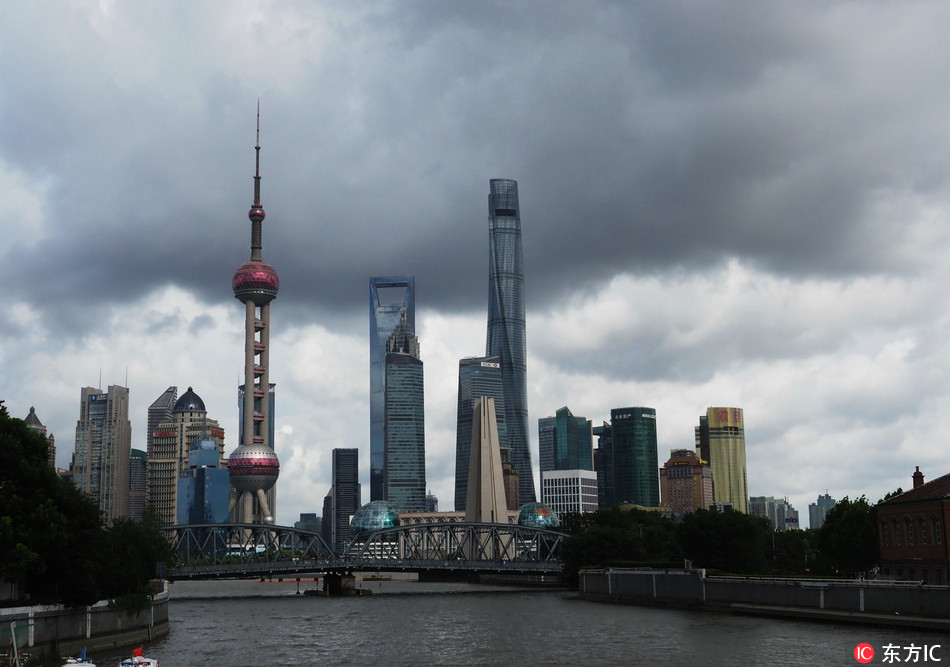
{"x":635,"y":467}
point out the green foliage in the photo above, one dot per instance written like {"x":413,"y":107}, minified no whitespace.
{"x":613,"y":535}
{"x":848,"y":538}
{"x":727,"y":541}
{"x":52,"y":540}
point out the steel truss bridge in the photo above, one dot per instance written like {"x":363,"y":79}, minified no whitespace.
{"x":213,"y":551}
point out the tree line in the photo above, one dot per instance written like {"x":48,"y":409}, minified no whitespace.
{"x":54,"y":545}
{"x":728,"y":542}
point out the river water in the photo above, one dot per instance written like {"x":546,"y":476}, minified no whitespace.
{"x":254,"y":624}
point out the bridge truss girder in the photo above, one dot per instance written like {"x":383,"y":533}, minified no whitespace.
{"x":486,"y":542}
{"x":245,"y":542}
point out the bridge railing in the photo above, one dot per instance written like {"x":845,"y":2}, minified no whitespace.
{"x":225,"y":543}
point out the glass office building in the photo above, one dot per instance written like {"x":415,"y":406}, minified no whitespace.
{"x":506,"y":323}
{"x":565,"y":442}
{"x":389,"y":298}
{"x":636,"y":471}
{"x":404,"y":459}
{"x":478,"y":376}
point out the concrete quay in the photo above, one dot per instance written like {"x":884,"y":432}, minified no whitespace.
{"x":872,"y":603}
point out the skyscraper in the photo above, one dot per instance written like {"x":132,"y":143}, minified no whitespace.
{"x":404,"y":461}
{"x":478,"y":376}
{"x":390,"y":299}
{"x":138,"y":484}
{"x":685,"y":483}
{"x":720,"y":439}
{"x":636,"y":474}
{"x":506,"y":323}
{"x":103,"y":446}
{"x":565,"y":442}
{"x":204,"y":489}
{"x":254,"y":466}
{"x":171,"y":443}
{"x":345,"y":495}
{"x":35,"y":424}
{"x":604,"y":465}
{"x":817,"y":511}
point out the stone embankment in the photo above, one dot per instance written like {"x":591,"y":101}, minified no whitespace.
{"x":55,"y":630}
{"x":896,"y":604}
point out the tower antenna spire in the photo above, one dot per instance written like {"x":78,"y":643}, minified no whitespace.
{"x":257,"y":158}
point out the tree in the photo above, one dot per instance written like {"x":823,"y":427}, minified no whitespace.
{"x":728,"y":541}
{"x":848,"y":538}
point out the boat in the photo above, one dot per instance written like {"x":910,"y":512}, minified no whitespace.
{"x":139,"y":660}
{"x":80,"y":659}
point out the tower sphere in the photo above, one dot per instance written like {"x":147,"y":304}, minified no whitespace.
{"x":255,"y":281}
{"x":253,"y":467}
{"x":256,"y":214}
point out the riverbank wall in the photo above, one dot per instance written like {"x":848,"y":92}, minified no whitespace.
{"x":55,"y":630}
{"x":896,"y":604}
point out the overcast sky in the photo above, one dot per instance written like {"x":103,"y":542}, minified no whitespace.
{"x":728,"y":204}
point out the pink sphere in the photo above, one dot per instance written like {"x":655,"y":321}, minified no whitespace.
{"x":255,"y":281}
{"x":253,"y":467}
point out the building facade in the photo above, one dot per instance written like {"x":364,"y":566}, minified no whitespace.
{"x":345,"y":496}
{"x":204,"y":487}
{"x":685,"y":483}
{"x":506,"y":337}
{"x":912,"y":529}
{"x":391,"y":298}
{"x":569,"y":490}
{"x":138,"y":484}
{"x":33,"y":421}
{"x":404,"y":450}
{"x":818,"y":510}
{"x":635,"y":467}
{"x":478,"y":376}
{"x":565,"y":442}
{"x":777,"y":510}
{"x":171,"y":443}
{"x":254,"y":466}
{"x":103,"y":448}
{"x":720,"y":440}
{"x":604,"y":465}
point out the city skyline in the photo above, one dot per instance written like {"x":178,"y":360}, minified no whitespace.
{"x":722,"y":207}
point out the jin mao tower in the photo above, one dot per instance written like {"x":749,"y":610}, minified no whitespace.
{"x":506,"y":323}
{"x":254,"y":466}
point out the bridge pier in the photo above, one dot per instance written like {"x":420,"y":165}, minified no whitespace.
{"x":339,"y":584}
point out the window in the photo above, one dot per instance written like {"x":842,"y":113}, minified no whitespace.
{"x":884,"y":536}
{"x":935,"y":526}
{"x":908,"y":524}
{"x":897,"y":533}
{"x":922,"y":525}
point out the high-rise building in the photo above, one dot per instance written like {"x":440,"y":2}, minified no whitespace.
{"x":103,"y":446}
{"x":636,"y":473}
{"x":204,"y":488}
{"x":565,"y":442}
{"x":817,"y":511}
{"x":569,"y":490}
{"x":391,"y":298}
{"x":685,"y":483}
{"x":254,"y":466}
{"x":171,"y":443}
{"x":345,"y":496}
{"x":720,"y":440}
{"x":35,"y":424}
{"x":506,"y":324}
{"x":404,"y":460}
{"x":777,"y":510}
{"x":138,"y":484}
{"x":478,"y":376}
{"x":604,"y":465}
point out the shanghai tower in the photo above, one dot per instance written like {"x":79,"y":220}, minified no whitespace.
{"x":506,"y":323}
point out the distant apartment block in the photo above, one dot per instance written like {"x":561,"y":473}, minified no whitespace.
{"x":685,"y":483}
{"x":569,"y":490}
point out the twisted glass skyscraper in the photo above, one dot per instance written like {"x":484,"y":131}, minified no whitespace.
{"x":506,"y":323}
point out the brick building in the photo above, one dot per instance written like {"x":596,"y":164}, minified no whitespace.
{"x":912,"y":529}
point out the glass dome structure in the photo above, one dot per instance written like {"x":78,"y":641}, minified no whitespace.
{"x":375,"y":515}
{"x":537,"y":515}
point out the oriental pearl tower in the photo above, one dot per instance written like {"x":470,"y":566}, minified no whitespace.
{"x":253,"y":465}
